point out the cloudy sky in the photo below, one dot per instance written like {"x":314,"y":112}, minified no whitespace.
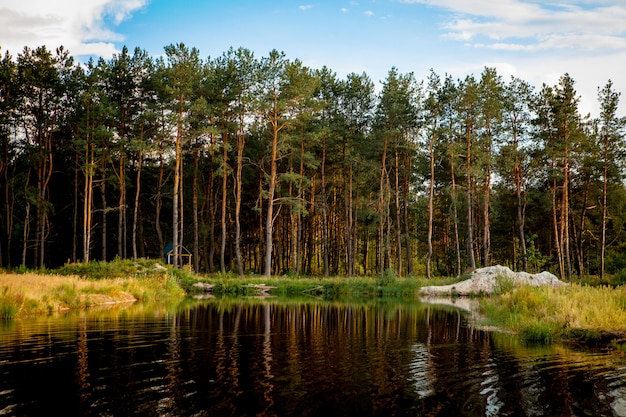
{"x":537,"y":41}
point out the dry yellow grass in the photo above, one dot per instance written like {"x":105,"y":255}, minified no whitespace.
{"x":27,"y":294}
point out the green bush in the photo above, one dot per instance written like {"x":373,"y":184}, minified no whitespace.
{"x":619,"y":278}
{"x":388,"y":277}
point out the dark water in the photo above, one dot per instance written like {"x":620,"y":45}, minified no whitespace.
{"x":317,"y":358}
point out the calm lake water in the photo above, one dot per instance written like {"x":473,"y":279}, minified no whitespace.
{"x":295,"y":358}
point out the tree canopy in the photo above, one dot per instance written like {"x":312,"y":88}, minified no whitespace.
{"x":263,"y":165}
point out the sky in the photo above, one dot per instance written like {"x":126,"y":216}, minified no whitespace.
{"x":537,"y":41}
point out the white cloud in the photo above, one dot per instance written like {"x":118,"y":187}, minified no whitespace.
{"x":539,"y":41}
{"x":306,"y":7}
{"x":82,"y":27}
{"x":344,"y":10}
{"x":369,"y":13}
{"x":585,"y":24}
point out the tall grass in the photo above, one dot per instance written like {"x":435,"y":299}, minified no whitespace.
{"x":543,"y":314}
{"x":29,"y":293}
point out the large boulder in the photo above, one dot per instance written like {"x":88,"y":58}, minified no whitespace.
{"x":489,"y":279}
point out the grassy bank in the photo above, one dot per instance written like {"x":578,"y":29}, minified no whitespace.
{"x":75,"y":286}
{"x":81,"y":285}
{"x":580,"y":313}
{"x":576,"y":312}
{"x":387,"y":285}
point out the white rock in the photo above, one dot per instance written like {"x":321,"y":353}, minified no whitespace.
{"x":487,"y":280}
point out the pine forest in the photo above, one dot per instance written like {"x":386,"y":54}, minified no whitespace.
{"x":262,"y":165}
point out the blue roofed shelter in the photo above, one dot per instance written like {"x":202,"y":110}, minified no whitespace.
{"x":184,"y":256}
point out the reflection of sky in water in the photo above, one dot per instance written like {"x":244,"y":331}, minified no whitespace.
{"x":419,"y":371}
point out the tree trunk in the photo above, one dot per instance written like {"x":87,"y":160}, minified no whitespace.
{"x":557,"y":238}
{"x":224,"y":201}
{"x":269,"y":219}
{"x":176,"y":196}
{"x":431,"y":196}
{"x":455,"y":216}
{"x":196,"y":234}
{"x":103,"y":196}
{"x":517,"y":175}
{"x":121,"y":219}
{"x":486,"y":223}
{"x":159,"y":203}
{"x":88,"y":200}
{"x":468,"y":197}
{"x":604,"y":212}
{"x":238,"y":196}
{"x":74,"y":211}
{"x":136,"y":206}
{"x":398,"y":217}
{"x":325,"y":248}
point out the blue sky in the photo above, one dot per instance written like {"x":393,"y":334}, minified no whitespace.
{"x":537,"y":41}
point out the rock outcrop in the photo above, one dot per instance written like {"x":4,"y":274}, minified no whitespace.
{"x":490,"y":279}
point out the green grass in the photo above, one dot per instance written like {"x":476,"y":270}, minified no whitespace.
{"x":331,"y":287}
{"x":545,"y":314}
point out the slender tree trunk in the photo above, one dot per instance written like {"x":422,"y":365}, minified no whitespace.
{"x":517,"y":175}
{"x":486,"y":223}
{"x":196,"y":234}
{"x":25,"y":234}
{"x":405,"y":205}
{"x":455,"y":216}
{"x":224,"y":201}
{"x":557,"y":238}
{"x":159,"y":203}
{"x":398,"y":217}
{"x":261,"y":249}
{"x":103,"y":197}
{"x":9,"y":201}
{"x":431,"y":198}
{"x":383,"y":209}
{"x":136,"y":206}
{"x":75,"y":211}
{"x":212,"y":212}
{"x":238,"y":196}
{"x":88,"y":200}
{"x":579,"y":232}
{"x":269,"y":220}
{"x":325,"y":248}
{"x":468,"y":197}
{"x":604,"y":212}
{"x":566,"y":237}
{"x":301,"y":200}
{"x":176,"y":195}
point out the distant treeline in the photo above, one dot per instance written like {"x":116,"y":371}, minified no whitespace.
{"x":264,"y":165}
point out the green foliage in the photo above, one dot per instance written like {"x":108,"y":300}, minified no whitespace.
{"x":619,"y":278}
{"x":325,"y":130}
{"x":117,"y":268}
{"x":387,"y":278}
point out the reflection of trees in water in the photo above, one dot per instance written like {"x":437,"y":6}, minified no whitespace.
{"x":323,"y":358}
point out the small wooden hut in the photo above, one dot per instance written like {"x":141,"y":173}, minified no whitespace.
{"x":184,"y":256}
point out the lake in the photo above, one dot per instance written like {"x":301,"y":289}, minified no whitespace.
{"x":304,"y":357}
